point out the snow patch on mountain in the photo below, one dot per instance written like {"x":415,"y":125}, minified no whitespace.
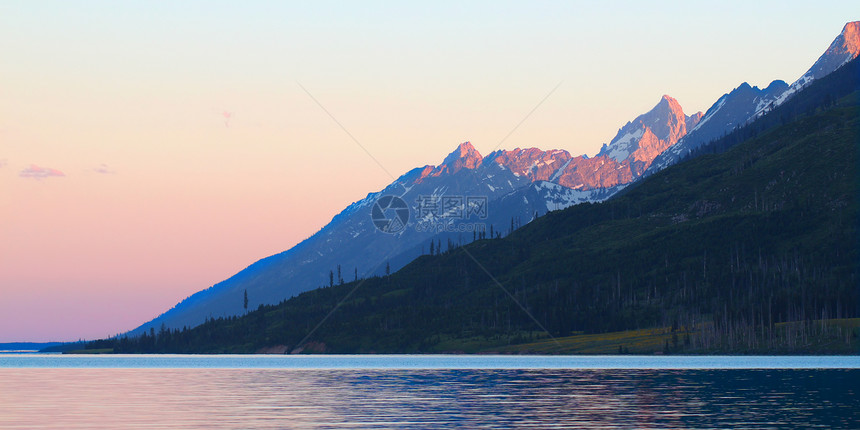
{"x":623,"y":146}
{"x":843,"y":49}
{"x":558,"y":197}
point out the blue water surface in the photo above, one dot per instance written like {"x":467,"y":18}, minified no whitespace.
{"x":427,"y":362}
{"x":77,"y":392}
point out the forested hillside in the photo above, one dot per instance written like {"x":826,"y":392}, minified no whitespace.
{"x":720,"y":250}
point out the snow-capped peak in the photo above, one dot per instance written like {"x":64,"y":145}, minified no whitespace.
{"x":649,"y":134}
{"x":843,"y":49}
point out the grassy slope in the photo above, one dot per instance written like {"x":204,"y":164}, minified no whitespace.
{"x":838,"y":336}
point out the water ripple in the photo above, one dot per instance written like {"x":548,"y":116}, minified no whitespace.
{"x":155,"y":398}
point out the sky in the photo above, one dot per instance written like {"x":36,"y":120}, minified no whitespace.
{"x":149,"y":150}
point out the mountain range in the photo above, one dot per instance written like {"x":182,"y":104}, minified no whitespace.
{"x":443,"y":202}
{"x":747,"y":103}
{"x":748,"y":246}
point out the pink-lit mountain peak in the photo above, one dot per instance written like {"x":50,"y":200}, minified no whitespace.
{"x":537,"y":164}
{"x":843,"y":49}
{"x":627,"y":155}
{"x":670,"y":102}
{"x":666,"y":120}
{"x":642,"y":139}
{"x":464,"y":157}
{"x":848,"y":42}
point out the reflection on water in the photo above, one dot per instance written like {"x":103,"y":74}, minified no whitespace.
{"x":412,"y":398}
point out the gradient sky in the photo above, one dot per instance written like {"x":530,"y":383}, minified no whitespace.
{"x":151,"y":149}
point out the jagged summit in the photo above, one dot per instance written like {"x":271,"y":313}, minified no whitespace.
{"x":843,"y":49}
{"x":776,"y":85}
{"x":644,"y":138}
{"x":733,"y":109}
{"x":463,"y":150}
{"x":693,"y":120}
{"x":464,"y":157}
{"x":620,"y":162}
{"x":534,"y":163}
{"x":669,"y":102}
{"x":851,"y":37}
{"x":674,"y":126}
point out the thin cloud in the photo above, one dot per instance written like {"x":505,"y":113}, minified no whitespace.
{"x":36,"y":172}
{"x":104,"y":169}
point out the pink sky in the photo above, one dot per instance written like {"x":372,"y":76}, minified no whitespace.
{"x":148,"y":151}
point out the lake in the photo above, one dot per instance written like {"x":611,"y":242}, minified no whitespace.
{"x":374,"y":392}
